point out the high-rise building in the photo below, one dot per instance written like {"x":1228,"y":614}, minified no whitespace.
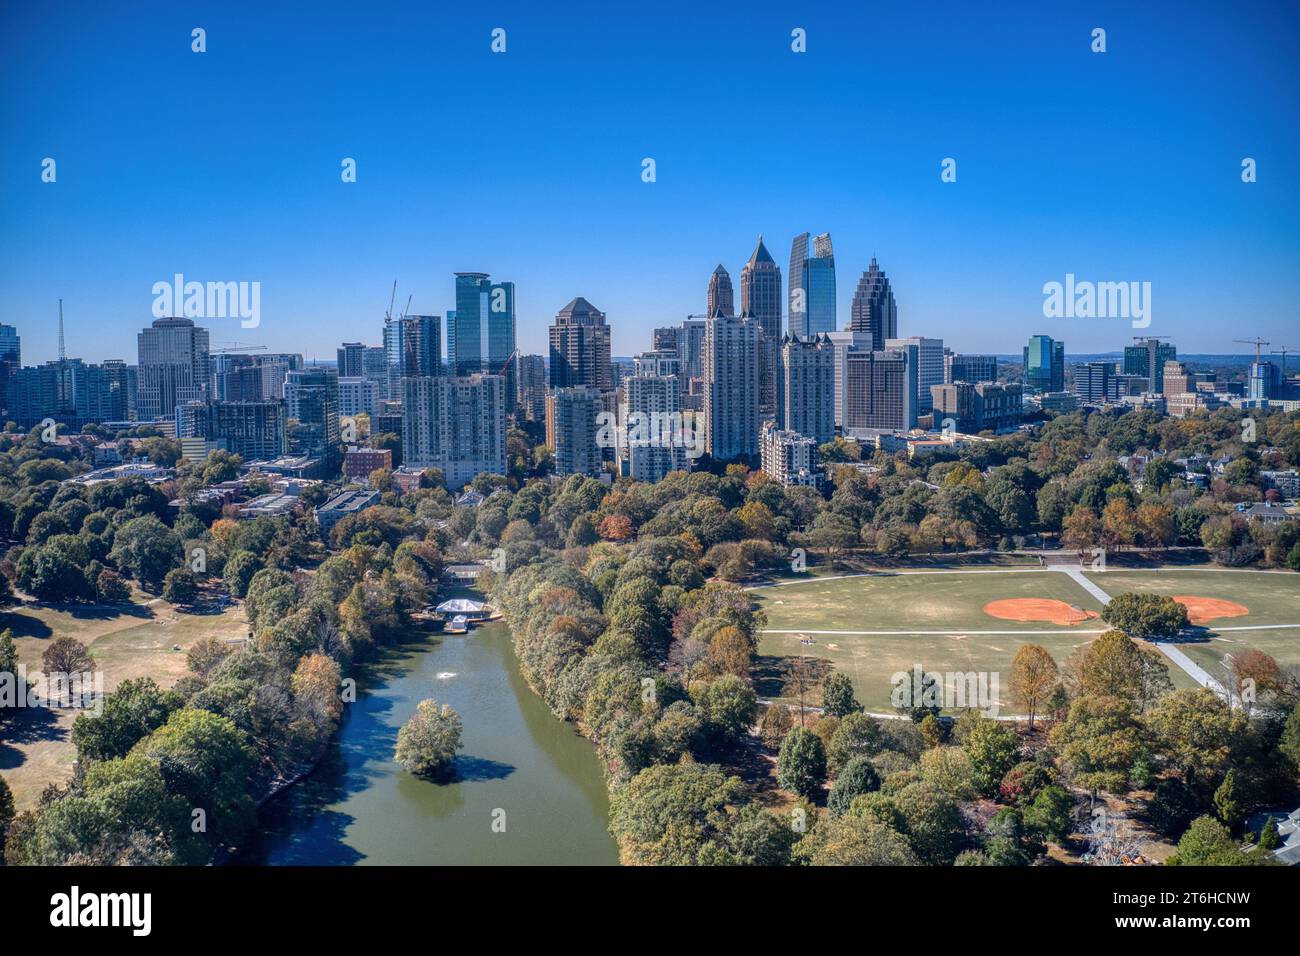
{"x":1176,"y":379}
{"x":1095,"y":382}
{"x":929,"y":366}
{"x":11,"y":359}
{"x":358,"y":396}
{"x":456,"y":424}
{"x":651,"y":408}
{"x":481,"y":331}
{"x":413,"y":344}
{"x":571,"y":430}
{"x":351,"y":361}
{"x":1265,"y":381}
{"x":805,"y":399}
{"x":721,"y":294}
{"x":580,"y":350}
{"x":256,"y":431}
{"x":1147,"y":358}
{"x":661,"y":362}
{"x":731,"y":414}
{"x":374,"y":366}
{"x":312,"y":396}
{"x":874,"y":310}
{"x":104,"y":393}
{"x":760,"y":298}
{"x":1044,"y":364}
{"x":843,"y":343}
{"x":973,"y":408}
{"x":174,"y":367}
{"x":531,"y":399}
{"x":969,"y":368}
{"x":812,"y":287}
{"x":788,"y":457}
{"x":880,"y":389}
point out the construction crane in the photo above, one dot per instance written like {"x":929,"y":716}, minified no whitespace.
{"x":407,"y":310}
{"x":63,"y":354}
{"x":392,"y":300}
{"x":1257,"y":342}
{"x":1283,"y":352}
{"x":1143,"y":338}
{"x":505,"y":365}
{"x":237,"y":347}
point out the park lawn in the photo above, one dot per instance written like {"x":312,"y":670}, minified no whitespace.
{"x":1283,"y":645}
{"x":921,"y":601}
{"x":126,"y":642}
{"x":1273,"y":598}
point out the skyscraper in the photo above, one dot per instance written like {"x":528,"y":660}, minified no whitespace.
{"x":312,"y":395}
{"x":1044,"y":364}
{"x":1094,"y":382}
{"x":654,"y":398}
{"x":1147,"y":357}
{"x":580,"y":347}
{"x":880,"y":389}
{"x":969,"y":368}
{"x":532,"y":387}
{"x":760,"y":298}
{"x":805,"y":400}
{"x":571,"y":430}
{"x":731,"y":386}
{"x":481,"y":331}
{"x":456,"y":424}
{"x":929,"y":366}
{"x":351,"y":359}
{"x":873,"y":309}
{"x":721,"y":295}
{"x":413,"y":346}
{"x":174,"y":366}
{"x":812,"y":286}
{"x":256,"y":431}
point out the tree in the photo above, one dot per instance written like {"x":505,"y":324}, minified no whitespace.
{"x":146,"y":549}
{"x":857,"y":777}
{"x":855,"y":840}
{"x":992,"y":748}
{"x":728,"y":706}
{"x":672,"y":814}
{"x":1144,"y":615}
{"x":1289,"y":743}
{"x":858,"y":735}
{"x":1098,"y":743}
{"x":111,"y":589}
{"x":427,"y":743}
{"x":136,"y":709}
{"x":801,"y":765}
{"x":1049,"y":813}
{"x":1114,"y":666}
{"x":1230,"y":801}
{"x":180,"y":586}
{"x":239,"y":571}
{"x":1196,"y":731}
{"x":837,"y":695}
{"x":932,"y":823}
{"x":66,"y":655}
{"x":1033,"y":677}
{"x":1207,"y":842}
{"x":6,"y":813}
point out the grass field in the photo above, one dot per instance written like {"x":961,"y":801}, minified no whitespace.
{"x":938,"y":621}
{"x":125,"y":642}
{"x":1271,"y":598}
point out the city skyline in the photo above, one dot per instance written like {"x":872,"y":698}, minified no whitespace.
{"x":966,"y":260}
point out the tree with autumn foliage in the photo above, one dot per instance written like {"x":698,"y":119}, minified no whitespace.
{"x":1034,"y":676}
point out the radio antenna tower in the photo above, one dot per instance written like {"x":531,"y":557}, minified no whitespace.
{"x":63,"y":355}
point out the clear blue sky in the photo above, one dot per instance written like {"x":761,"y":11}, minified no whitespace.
{"x":225,"y":165}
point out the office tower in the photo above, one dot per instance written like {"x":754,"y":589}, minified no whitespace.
{"x":174,"y":367}
{"x":374,"y":367}
{"x":481,"y":331}
{"x":256,"y":431}
{"x":691,"y":351}
{"x":1265,"y":381}
{"x":731,"y":387}
{"x":812,"y":287}
{"x":874,"y":310}
{"x":880,"y":389}
{"x":788,"y":457}
{"x":929,"y":366}
{"x":662,"y":362}
{"x":352,"y":360}
{"x":843,"y":343}
{"x":721,"y":295}
{"x":1094,"y":382}
{"x":1044,"y":364}
{"x":805,"y":399}
{"x":668,"y":337}
{"x":11,"y":359}
{"x":456,"y":424}
{"x":312,"y":396}
{"x":275,"y":367}
{"x":413,"y":344}
{"x":973,"y":408}
{"x":531,"y":399}
{"x":580,"y":347}
{"x":969,"y":368}
{"x":1176,"y":379}
{"x":1148,"y":357}
{"x":760,"y":297}
{"x":357,"y":396}
{"x":571,"y":430}
{"x":652,"y":414}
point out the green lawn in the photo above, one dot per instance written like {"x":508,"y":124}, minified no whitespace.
{"x":1271,"y":598}
{"x":949,"y":603}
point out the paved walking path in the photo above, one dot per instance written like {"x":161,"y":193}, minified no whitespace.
{"x":1193,"y":670}
{"x":1082,"y":580}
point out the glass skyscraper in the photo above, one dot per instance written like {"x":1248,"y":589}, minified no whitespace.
{"x":1045,"y":364}
{"x":812,"y":286}
{"x":481,"y":330}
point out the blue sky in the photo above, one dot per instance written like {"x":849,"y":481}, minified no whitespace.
{"x":225,"y":165}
